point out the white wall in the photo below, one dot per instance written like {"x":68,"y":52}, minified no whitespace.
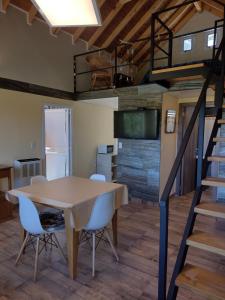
{"x":31,"y":54}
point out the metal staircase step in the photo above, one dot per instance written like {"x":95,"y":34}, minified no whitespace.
{"x":207,"y":241}
{"x":221,"y":121}
{"x":209,"y":284}
{"x":213,"y":209}
{"x":219,"y":139}
{"x":216,"y":158}
{"x":214,"y":181}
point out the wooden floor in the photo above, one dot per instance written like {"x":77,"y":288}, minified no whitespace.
{"x":134,"y":277}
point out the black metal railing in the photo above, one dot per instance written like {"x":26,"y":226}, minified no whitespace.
{"x":120,"y":61}
{"x":161,"y":40}
{"x":126,"y":59}
{"x":202,"y":166}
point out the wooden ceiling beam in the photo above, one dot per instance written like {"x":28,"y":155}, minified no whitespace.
{"x":121,"y":25}
{"x":165,"y":18}
{"x":4,"y":5}
{"x":31,"y":14}
{"x":113,"y":13}
{"x":214,"y":6}
{"x":123,"y":1}
{"x":198,"y":6}
{"x":216,"y":11}
{"x":181,"y":19}
{"x":184,"y":20}
{"x":78,"y":32}
{"x":179,"y":14}
{"x":55,"y":31}
{"x":157,"y":5}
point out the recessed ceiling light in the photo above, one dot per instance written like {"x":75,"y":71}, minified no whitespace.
{"x":68,"y":13}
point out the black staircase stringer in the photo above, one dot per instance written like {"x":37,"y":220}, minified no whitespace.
{"x":173,"y":289}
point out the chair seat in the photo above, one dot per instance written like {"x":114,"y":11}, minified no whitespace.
{"x":52,"y":221}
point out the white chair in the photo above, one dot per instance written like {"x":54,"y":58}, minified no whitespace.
{"x":97,"y":177}
{"x":30,"y":221}
{"x":101,"y":216}
{"x":37,"y":179}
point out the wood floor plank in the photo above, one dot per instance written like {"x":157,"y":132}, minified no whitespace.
{"x":203,"y":282}
{"x":135,"y":277}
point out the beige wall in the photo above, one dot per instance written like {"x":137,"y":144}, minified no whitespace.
{"x":168,"y":141}
{"x":93,"y":125}
{"x":32,"y":54}
{"x":172,"y":100}
{"x":21,"y":123}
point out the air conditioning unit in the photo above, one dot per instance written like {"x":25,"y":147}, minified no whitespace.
{"x":24,"y":169}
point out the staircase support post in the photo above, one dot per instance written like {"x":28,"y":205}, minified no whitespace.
{"x":163,"y":253}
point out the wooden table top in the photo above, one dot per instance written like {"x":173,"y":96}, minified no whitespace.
{"x":66,"y":192}
{"x":5,"y":167}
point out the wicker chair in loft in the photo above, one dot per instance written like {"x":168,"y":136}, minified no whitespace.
{"x":100,"y":78}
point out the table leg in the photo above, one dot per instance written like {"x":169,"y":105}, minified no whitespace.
{"x":114,"y":228}
{"x":72,"y":237}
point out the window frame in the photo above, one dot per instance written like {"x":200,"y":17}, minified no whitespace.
{"x":207,"y":40}
{"x":185,"y":39}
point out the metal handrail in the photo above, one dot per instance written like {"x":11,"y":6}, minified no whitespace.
{"x":164,"y":201}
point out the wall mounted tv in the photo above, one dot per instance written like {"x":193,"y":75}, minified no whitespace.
{"x":137,"y":124}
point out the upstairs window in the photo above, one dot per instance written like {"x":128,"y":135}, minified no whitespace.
{"x":210,"y":40}
{"x":187,"y":46}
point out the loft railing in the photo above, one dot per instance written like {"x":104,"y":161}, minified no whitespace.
{"x":116,"y":61}
{"x":202,"y":166}
{"x":128,"y":58}
{"x":163,"y":38}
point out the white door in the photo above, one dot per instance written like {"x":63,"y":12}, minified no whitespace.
{"x":57,"y":142}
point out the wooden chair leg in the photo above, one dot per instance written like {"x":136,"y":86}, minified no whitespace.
{"x":59,"y":247}
{"x":36,"y":259}
{"x":22,"y":248}
{"x":93,"y":254}
{"x":111,"y":244}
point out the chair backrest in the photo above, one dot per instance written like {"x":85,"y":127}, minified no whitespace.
{"x":102,"y":212}
{"x":98,"y":177}
{"x":29,"y":216}
{"x":37,"y":179}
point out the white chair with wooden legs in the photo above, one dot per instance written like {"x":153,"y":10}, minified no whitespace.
{"x":30,"y":221}
{"x":100,"y":218}
{"x":97,"y":177}
{"x":38,"y":179}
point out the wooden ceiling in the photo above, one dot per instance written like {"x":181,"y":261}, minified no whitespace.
{"x":125,"y":20}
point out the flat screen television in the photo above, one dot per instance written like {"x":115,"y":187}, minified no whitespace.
{"x":137,"y":124}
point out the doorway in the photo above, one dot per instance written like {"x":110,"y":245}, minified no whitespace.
{"x":57,"y":142}
{"x":186,"y":179}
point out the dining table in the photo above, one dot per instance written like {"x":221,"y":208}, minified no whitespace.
{"x":76,"y":197}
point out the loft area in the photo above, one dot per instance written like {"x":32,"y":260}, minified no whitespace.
{"x":143,"y":61}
